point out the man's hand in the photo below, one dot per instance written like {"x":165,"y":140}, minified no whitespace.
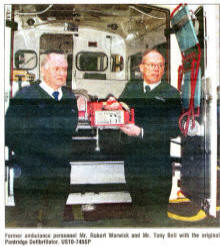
{"x":112,"y":104}
{"x":112,"y":107}
{"x":81,"y":103}
{"x":131,"y":130}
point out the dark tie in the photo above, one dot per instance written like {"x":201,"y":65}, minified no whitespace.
{"x":55,"y":95}
{"x":147,"y":89}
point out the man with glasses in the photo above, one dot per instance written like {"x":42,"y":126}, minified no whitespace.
{"x":147,"y":155}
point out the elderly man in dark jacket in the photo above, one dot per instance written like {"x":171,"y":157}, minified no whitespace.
{"x":40,"y":122}
{"x":147,"y":155}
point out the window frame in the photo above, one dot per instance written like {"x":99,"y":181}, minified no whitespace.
{"x":89,"y":52}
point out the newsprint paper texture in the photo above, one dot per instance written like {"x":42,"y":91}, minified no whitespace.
{"x":118,"y":231}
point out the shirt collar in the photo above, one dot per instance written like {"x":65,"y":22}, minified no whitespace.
{"x":152,"y":86}
{"x":50,"y":90}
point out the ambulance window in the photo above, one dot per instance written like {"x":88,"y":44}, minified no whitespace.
{"x":135,"y":73}
{"x":91,"y":61}
{"x":25,"y":59}
{"x":117,"y":63}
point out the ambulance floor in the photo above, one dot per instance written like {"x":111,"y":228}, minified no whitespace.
{"x":181,"y":214}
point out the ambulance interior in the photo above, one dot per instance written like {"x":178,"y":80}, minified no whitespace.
{"x":103,"y":44}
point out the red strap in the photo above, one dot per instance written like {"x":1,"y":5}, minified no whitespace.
{"x":171,"y":16}
{"x":190,"y":114}
{"x":180,"y":77}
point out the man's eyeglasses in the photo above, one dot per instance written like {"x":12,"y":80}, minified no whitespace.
{"x":152,"y":66}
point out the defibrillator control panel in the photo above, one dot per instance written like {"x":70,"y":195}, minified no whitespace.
{"x":99,"y":116}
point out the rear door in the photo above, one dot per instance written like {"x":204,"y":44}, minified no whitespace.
{"x":199,"y":147}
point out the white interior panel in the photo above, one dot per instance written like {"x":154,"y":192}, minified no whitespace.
{"x":97,"y":172}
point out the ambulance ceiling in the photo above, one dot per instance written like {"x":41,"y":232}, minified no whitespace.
{"x":121,"y":19}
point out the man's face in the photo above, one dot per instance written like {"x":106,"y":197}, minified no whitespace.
{"x":55,"y":71}
{"x":152,"y":67}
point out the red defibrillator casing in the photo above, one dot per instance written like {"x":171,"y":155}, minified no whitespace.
{"x":98,"y":116}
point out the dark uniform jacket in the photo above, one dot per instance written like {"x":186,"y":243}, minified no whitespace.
{"x":39,"y":129}
{"x":148,"y":159}
{"x":157,"y":112}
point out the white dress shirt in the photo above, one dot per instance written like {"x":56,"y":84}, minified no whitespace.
{"x":152,"y":86}
{"x":50,"y":90}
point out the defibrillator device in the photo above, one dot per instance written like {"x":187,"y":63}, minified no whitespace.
{"x":106,"y":113}
{"x":99,"y":116}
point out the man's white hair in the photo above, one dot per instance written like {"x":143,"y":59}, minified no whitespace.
{"x":46,"y":57}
